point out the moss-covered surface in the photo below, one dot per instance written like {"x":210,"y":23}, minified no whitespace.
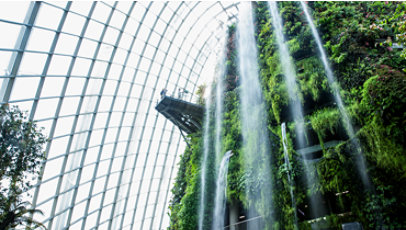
{"x":360,"y":39}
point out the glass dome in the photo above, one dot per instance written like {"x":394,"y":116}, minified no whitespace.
{"x":90,"y":73}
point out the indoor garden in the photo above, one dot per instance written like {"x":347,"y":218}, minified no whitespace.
{"x":304,"y":124}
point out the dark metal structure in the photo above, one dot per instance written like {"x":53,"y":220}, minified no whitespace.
{"x":187,"y":116}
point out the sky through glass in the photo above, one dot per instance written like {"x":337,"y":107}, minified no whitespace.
{"x":90,"y":73}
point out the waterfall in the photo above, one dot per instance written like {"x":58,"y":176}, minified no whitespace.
{"x":290,"y":75}
{"x":203,"y":166}
{"x":289,"y":168}
{"x":219,"y":74}
{"x":220,"y":195}
{"x":361,"y":164}
{"x":222,"y":166}
{"x":256,"y":143}
{"x":289,"y":72}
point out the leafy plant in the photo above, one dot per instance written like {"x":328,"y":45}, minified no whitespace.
{"x":18,"y":215}
{"x":22,"y":155}
{"x":358,"y":37}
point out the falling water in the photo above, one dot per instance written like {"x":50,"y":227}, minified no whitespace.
{"x":290,"y":75}
{"x":220,"y":71}
{"x":289,"y":168}
{"x":256,"y":144}
{"x":218,"y":75}
{"x":296,"y":106}
{"x":220,"y":200}
{"x":206,"y":150}
{"x":221,"y":162}
{"x":361,"y":165}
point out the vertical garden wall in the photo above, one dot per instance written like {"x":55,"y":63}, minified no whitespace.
{"x":365,"y":42}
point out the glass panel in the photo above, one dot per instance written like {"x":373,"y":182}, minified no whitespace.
{"x":94,"y":86}
{"x":91,"y":155}
{"x":101,"y":119}
{"x":115,"y":71}
{"x":102,"y":171}
{"x":66,"y":44}
{"x":111,"y":134}
{"x":83,"y":191}
{"x":12,"y":34}
{"x":4,"y":62}
{"x":101,"y":13}
{"x":110,"y":87}
{"x":125,"y":41}
{"x":24,"y":87}
{"x":87,"y":173}
{"x":46,"y":126}
{"x":47,"y":190}
{"x":120,"y":56}
{"x":109,"y":196}
{"x":105,"y":103}
{"x":58,"y":147}
{"x":64,"y":126}
{"x":91,"y":220}
{"x":144,"y":33}
{"x":117,"y":164}
{"x":99,"y":69}
{"x":13,"y":10}
{"x":46,"y":209}
{"x":94,"y":30}
{"x":119,"y":104}
{"x":48,"y":17}
{"x":106,"y":214}
{"x":111,"y":36}
{"x":59,"y":65}
{"x":81,"y":7}
{"x":69,"y":106}
{"x":81,"y":67}
{"x":52,"y":168}
{"x":61,"y":4}
{"x":52,"y":86}
{"x":138,"y":13}
{"x":131,"y":26}
{"x":95,"y":201}
{"x":128,"y":119}
{"x":74,"y":23}
{"x":32,"y":63}
{"x":149,"y":20}
{"x":87,"y":48}
{"x":107,"y":151}
{"x":124,"y":6}
{"x":105,"y":52}
{"x":40,"y":40}
{"x":96,"y":137}
{"x":77,"y":213}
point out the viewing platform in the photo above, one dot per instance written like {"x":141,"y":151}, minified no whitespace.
{"x":187,"y":116}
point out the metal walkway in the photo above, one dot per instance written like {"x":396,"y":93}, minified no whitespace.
{"x":187,"y":116}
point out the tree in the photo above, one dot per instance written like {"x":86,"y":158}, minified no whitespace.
{"x":21,"y":158}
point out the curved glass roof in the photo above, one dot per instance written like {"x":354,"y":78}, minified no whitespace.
{"x":90,"y":73}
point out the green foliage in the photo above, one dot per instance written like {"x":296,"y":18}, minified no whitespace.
{"x":19,"y":215}
{"x":201,"y":89}
{"x":386,"y":206}
{"x":325,"y":120}
{"x":185,"y":192}
{"x":22,"y":155}
{"x":384,"y":97}
{"x":358,"y":37}
{"x":232,"y":140}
